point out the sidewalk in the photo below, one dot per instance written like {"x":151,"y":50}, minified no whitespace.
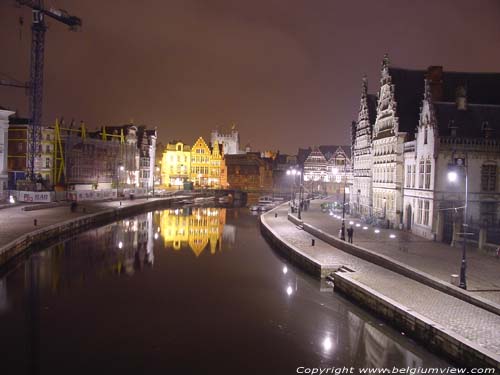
{"x":435,"y":258}
{"x":473,"y":324}
{"x":15,"y":222}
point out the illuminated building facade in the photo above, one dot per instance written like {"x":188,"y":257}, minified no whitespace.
{"x":176,"y":164}
{"x":203,"y":165}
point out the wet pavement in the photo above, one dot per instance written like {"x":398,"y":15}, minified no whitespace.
{"x":435,"y":258}
{"x":183,"y":290}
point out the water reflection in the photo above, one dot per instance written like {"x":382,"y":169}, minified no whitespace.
{"x":196,"y":228}
{"x":273,"y":306}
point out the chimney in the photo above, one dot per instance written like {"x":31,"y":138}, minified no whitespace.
{"x":435,"y":77}
{"x":461,"y":98}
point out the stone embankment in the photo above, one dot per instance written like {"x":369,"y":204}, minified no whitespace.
{"x":70,"y":226}
{"x":465,"y":333}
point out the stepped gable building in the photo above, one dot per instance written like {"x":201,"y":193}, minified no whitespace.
{"x":426,"y":121}
{"x":362,"y":130}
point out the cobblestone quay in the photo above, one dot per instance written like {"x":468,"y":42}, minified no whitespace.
{"x":460,"y":331}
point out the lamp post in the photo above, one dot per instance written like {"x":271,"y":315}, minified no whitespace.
{"x":121,"y":168}
{"x":335,"y":171}
{"x":453,"y":177}
{"x":292,"y":172}
{"x":301,"y":180}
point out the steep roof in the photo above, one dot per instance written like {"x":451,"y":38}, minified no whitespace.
{"x":408,"y":93}
{"x":330,"y":150}
{"x":469,"y":123}
{"x":482,"y":88}
{"x":371,"y":99}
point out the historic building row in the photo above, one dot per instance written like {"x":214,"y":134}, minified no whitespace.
{"x":421,"y":125}
{"x":201,"y":164}
{"x":71,"y":157}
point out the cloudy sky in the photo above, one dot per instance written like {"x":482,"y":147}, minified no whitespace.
{"x":287,"y":72}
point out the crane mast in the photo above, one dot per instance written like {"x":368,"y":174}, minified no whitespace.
{"x":38,"y":29}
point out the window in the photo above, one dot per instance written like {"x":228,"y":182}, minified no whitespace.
{"x":488,"y":213}
{"x":419,"y":212}
{"x":426,"y":212}
{"x":421,"y":170}
{"x":47,"y":162}
{"x":408,"y":176}
{"x":413,"y":170}
{"x":425,"y":136}
{"x":488,"y":177}
{"x":47,"y":149}
{"x":428,"y":167}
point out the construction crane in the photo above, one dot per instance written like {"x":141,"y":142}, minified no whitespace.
{"x":38,"y":29}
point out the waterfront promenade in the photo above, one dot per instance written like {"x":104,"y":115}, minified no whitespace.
{"x":434,"y":258}
{"x":15,"y":222}
{"x":472,"y":327}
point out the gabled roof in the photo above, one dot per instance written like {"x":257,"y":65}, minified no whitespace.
{"x":408,"y":93}
{"x":371,"y":99}
{"x":482,"y":88}
{"x":330,"y":150}
{"x":469,"y":123}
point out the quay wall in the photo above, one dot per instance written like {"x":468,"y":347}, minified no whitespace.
{"x":43,"y":235}
{"x":398,"y":267}
{"x":293,"y":253}
{"x":437,"y":338}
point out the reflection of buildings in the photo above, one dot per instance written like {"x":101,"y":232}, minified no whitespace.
{"x":194,"y":227}
{"x":373,"y":348}
{"x":120,"y":248}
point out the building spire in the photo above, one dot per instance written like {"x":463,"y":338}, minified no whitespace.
{"x":427,"y":89}
{"x":364,"y":87}
{"x":385,"y":61}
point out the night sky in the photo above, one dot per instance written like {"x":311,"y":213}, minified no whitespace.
{"x":287,"y":72}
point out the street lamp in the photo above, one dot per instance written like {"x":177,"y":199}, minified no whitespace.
{"x":292,"y":172}
{"x":335,"y":171}
{"x":453,"y":177}
{"x":301,"y":177}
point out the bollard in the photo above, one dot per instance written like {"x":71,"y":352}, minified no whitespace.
{"x":313,"y":242}
{"x":35,"y":222}
{"x":275,"y":214}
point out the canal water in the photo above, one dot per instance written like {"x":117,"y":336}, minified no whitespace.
{"x":185,"y":290}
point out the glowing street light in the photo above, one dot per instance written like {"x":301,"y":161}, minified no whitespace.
{"x":452,"y":176}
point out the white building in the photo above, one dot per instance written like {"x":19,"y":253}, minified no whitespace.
{"x":147,"y":153}
{"x":230,"y":141}
{"x":426,"y":121}
{"x":327,"y":169}
{"x":4,"y":143}
{"x":316,"y":174}
{"x":361,"y":194}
